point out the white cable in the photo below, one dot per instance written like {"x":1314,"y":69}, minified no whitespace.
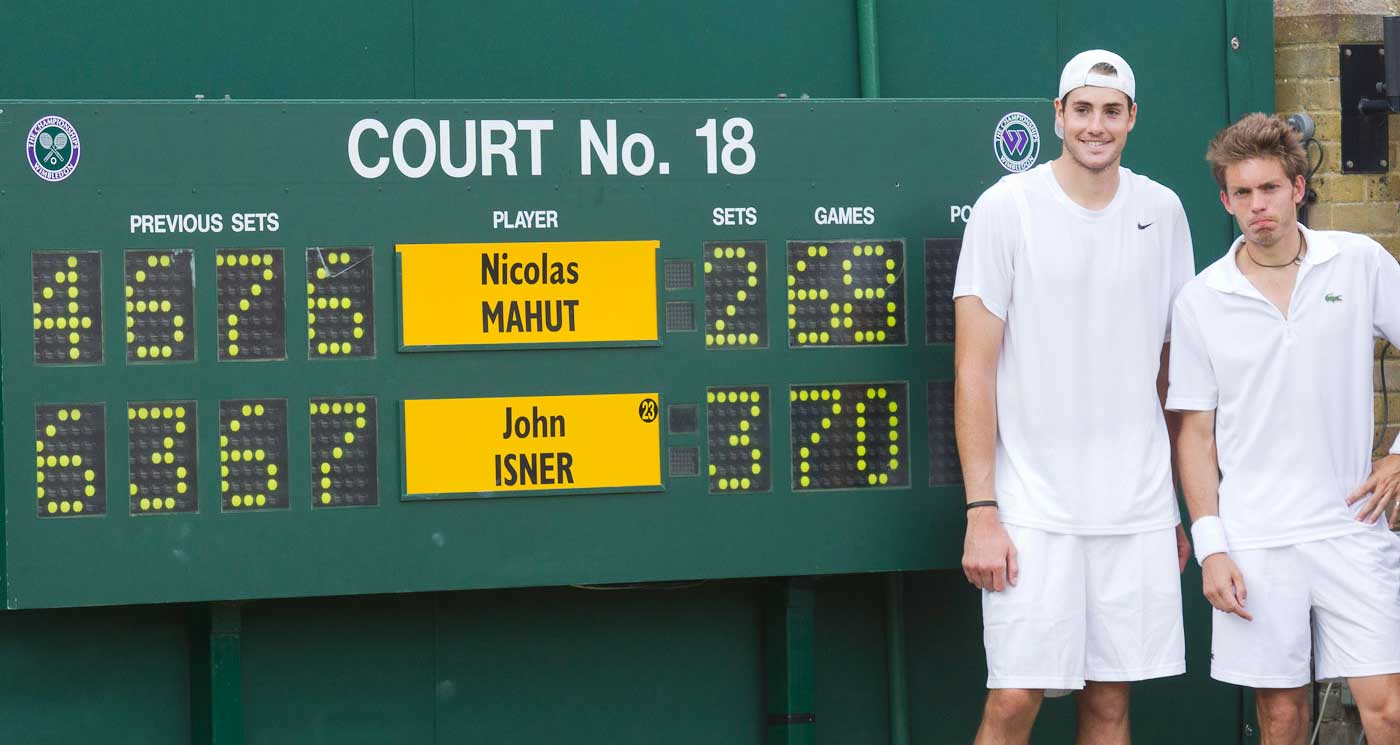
{"x":1320,"y":708}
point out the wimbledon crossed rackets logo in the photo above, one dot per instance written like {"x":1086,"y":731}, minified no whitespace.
{"x":53,"y":148}
{"x":1016,"y":142}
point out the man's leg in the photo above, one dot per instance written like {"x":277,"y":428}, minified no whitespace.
{"x":1034,"y":634}
{"x":1284,"y":714}
{"x":1378,"y":699}
{"x":1358,"y":613}
{"x":1103,"y":714}
{"x":1135,"y":629}
{"x":1009,"y":716}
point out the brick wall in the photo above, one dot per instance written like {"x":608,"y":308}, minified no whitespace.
{"x":1307,"y":39}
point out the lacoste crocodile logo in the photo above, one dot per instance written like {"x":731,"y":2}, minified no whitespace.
{"x":1333,"y":298}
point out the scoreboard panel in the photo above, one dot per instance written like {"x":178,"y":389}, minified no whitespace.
{"x":846,"y":293}
{"x":468,"y":344}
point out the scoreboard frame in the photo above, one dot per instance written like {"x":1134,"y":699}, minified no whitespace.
{"x":825,"y":173}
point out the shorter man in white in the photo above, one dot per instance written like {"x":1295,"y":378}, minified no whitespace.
{"x":1271,"y":363}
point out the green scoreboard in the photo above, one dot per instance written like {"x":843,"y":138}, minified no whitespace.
{"x":287,"y":349}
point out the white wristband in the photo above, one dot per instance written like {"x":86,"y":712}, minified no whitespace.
{"x":1208,"y":537}
{"x":1395,"y":447}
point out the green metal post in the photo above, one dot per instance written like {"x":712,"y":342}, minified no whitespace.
{"x":869,"y":49}
{"x":894,"y":635}
{"x":1249,"y":57}
{"x":216,"y":674}
{"x":789,"y":641}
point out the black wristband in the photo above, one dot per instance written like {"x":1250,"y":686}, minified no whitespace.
{"x":983,"y":503}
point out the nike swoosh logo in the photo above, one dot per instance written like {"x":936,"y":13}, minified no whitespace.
{"x":1144,"y":227}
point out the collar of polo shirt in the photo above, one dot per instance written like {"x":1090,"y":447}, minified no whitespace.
{"x":1227,"y":277}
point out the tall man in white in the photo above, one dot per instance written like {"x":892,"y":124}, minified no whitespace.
{"x":1063,"y":303}
{"x":1272,"y":365}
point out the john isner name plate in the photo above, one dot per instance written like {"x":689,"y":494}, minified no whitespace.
{"x":481,"y":447}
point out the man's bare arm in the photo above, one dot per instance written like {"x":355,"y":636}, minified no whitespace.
{"x":976,"y":350}
{"x":989,"y":558}
{"x":1221,"y":581}
{"x":1173,"y":419}
{"x":1197,"y":465}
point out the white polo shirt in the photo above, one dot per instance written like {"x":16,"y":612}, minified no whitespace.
{"x":1292,"y":396}
{"x":1086,"y":296}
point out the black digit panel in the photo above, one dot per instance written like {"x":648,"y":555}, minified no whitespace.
{"x":163,"y":456}
{"x":340,"y":302}
{"x":67,"y":295}
{"x":70,"y":445}
{"x":736,"y":314}
{"x":940,"y":271}
{"x":253,"y":454}
{"x":159,"y":306}
{"x":737,"y":438}
{"x":344,"y":452}
{"x":845,"y":293}
{"x":252,"y":322}
{"x":944,"y":467}
{"x":850,"y":436}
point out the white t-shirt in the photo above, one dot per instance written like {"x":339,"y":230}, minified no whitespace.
{"x":1293,"y":397}
{"x":1086,"y":295}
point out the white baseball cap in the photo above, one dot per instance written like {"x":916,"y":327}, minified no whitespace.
{"x":1076,"y":75}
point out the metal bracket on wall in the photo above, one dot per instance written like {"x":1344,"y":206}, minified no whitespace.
{"x":1365,"y":133}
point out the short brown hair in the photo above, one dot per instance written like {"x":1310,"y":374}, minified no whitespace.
{"x":1257,"y":136}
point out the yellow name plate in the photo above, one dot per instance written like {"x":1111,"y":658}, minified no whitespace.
{"x":502,"y":294}
{"x":498,"y":446}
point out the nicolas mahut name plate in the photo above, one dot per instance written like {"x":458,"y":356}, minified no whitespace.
{"x":493,"y":295}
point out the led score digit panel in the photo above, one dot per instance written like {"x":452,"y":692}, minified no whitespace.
{"x":843,"y":435}
{"x":160,"y":327}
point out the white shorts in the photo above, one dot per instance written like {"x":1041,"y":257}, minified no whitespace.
{"x":1351,"y":585}
{"x":1086,"y":607}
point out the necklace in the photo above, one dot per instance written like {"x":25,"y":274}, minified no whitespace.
{"x":1297,"y":258}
